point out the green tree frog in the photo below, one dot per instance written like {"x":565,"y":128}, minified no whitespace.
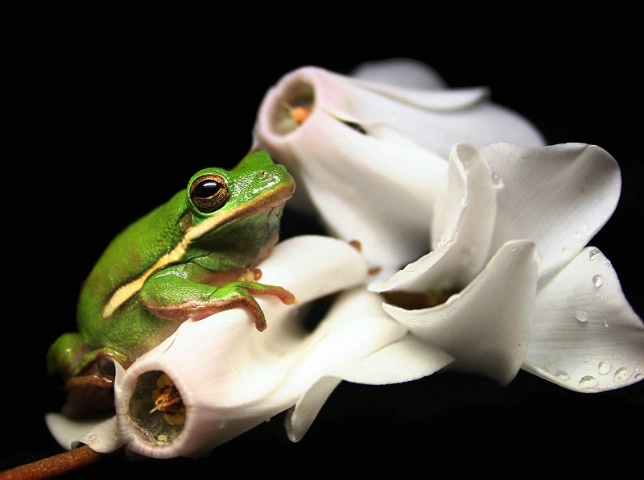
{"x":191,"y":257}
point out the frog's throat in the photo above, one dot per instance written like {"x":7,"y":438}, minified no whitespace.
{"x":267,"y":201}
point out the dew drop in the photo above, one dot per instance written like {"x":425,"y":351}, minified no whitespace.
{"x":588,"y":382}
{"x":587,"y":358}
{"x":497,"y":180}
{"x":604,"y":367}
{"x":593,"y":254}
{"x":581,"y":315}
{"x":598,"y":280}
{"x":621,"y":375}
{"x":561,"y":375}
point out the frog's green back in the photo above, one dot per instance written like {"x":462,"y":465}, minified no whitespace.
{"x":131,"y":253}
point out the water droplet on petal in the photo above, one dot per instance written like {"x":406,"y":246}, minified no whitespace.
{"x":561,"y":375}
{"x":621,"y":375}
{"x":581,"y":315}
{"x":588,"y":382}
{"x":593,"y":253}
{"x":497,"y":180}
{"x":598,"y":280}
{"x":587,"y":358}
{"x":604,"y":367}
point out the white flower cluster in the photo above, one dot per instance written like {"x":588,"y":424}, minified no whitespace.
{"x":473,"y":253}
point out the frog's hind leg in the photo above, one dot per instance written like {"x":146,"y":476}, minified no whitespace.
{"x":91,"y":391}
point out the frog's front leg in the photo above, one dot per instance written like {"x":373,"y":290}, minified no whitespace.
{"x":190,"y":292}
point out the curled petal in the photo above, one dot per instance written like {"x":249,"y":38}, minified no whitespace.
{"x":369,"y":157}
{"x":557,"y":196}
{"x":585,"y":335}
{"x":400,"y":72}
{"x":486,"y":326}
{"x":299,"y":419}
{"x":406,"y":359}
{"x":100,"y":434}
{"x":463,"y":230}
{"x":401,"y":361}
{"x":351,"y":180}
{"x":371,"y":347}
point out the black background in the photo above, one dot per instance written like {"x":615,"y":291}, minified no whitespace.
{"x":115,"y":113}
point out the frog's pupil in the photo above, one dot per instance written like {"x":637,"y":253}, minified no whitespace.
{"x":207,"y":189}
{"x":209,"y":193}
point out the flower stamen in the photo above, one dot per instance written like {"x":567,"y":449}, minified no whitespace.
{"x":157,"y":409}
{"x":298,"y":113}
{"x":167,"y":400}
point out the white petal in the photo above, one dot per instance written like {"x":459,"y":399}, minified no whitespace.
{"x":404,"y":360}
{"x":401,"y":72}
{"x":407,"y":359}
{"x":355,"y":327}
{"x":438,"y":119}
{"x":364,"y":185}
{"x":359,"y":342}
{"x":585,"y":336}
{"x":300,"y":417}
{"x":360,"y":195}
{"x":100,"y":434}
{"x":308,"y":266}
{"x":486,"y":326}
{"x":557,"y":196}
{"x":435,"y":119}
{"x":463,"y":228}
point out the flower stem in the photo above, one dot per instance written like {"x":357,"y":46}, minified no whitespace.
{"x":55,"y":465}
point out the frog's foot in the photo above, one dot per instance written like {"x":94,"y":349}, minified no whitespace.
{"x":238,"y":294}
{"x":241,"y":294}
{"x":254,"y":288}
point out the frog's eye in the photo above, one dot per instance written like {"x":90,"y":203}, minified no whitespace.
{"x":209,"y":193}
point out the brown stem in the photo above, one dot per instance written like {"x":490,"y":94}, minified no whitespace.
{"x":55,"y":465}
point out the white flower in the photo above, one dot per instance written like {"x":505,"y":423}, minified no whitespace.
{"x":510,"y":239}
{"x":369,"y":151}
{"x":229,"y":377}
